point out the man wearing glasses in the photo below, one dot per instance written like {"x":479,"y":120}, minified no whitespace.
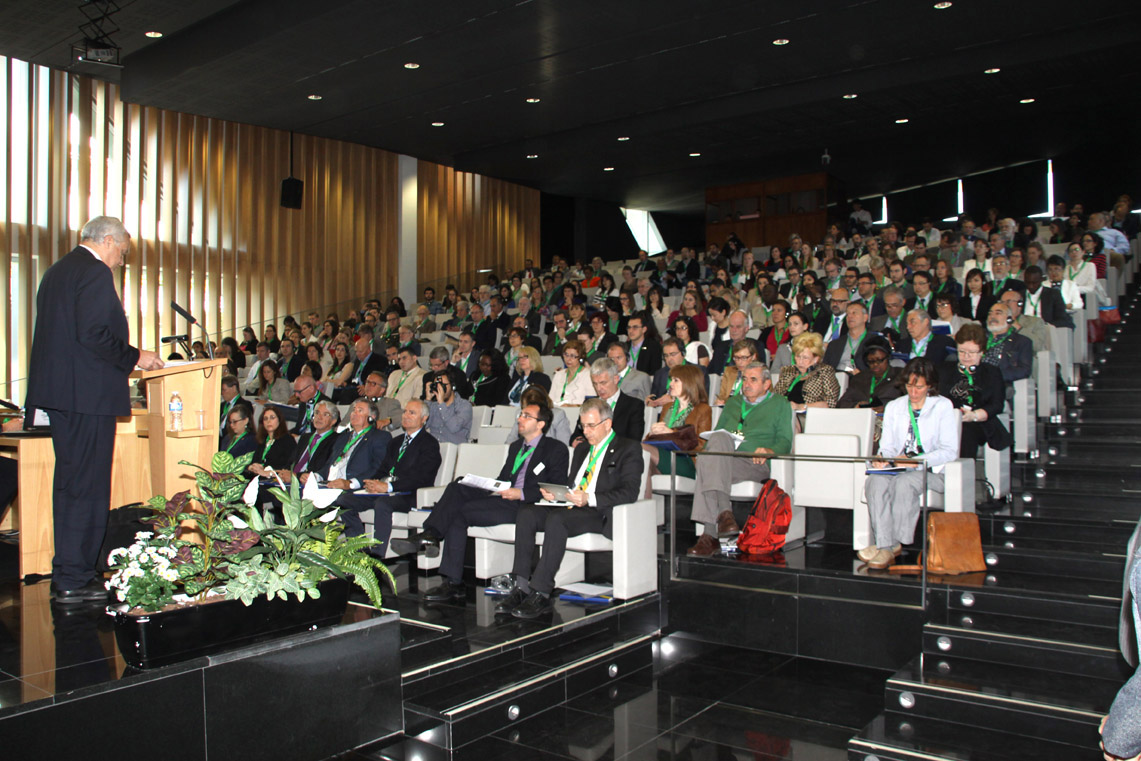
{"x":532,"y":458}
{"x":306,"y":395}
{"x":832,"y":325}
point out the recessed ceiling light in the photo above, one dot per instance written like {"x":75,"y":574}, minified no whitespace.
{"x":942,"y":6}
{"x":902,"y":121}
{"x":154,"y":35}
{"x":532,"y":155}
{"x":1026,"y":100}
{"x":314,"y":96}
{"x":780,"y":41}
{"x":532,"y":100}
{"x":623,"y":139}
{"x":411,"y":65}
{"x":694,"y":155}
{"x":608,"y":169}
{"x":851,"y":96}
{"x":437,"y":124}
{"x":992,"y":70}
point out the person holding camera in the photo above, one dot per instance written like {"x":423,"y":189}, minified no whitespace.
{"x":449,"y":415}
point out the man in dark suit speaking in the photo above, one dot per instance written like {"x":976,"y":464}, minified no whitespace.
{"x":78,"y":375}
{"x":606,"y":471}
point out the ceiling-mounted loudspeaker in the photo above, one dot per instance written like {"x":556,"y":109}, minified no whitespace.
{"x":292,"y":190}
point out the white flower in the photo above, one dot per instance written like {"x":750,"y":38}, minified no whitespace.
{"x":238,"y":522}
{"x":328,"y":516}
{"x":141,"y":535}
{"x":250,"y":495}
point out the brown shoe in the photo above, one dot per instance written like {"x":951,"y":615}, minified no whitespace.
{"x":727,"y":524}
{"x":706,"y":547}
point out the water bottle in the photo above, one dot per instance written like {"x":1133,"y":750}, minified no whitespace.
{"x":175,"y":412}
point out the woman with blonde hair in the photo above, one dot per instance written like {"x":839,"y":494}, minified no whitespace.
{"x":528,"y":372}
{"x":808,"y":382}
{"x":690,"y":406}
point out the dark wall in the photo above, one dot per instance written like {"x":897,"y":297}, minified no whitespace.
{"x":581,"y":229}
{"x":680,"y":229}
{"x":556,"y":228}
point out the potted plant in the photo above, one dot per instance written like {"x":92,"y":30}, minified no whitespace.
{"x":216,"y":572}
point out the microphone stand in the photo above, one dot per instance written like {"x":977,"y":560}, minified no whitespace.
{"x":190,"y":318}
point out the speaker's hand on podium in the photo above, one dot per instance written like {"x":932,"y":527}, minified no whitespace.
{"x":149,"y":360}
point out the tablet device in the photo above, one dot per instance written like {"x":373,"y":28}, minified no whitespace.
{"x":558,"y":491}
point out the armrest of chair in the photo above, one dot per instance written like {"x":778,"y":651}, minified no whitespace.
{"x":428,"y":496}
{"x":959,"y":486}
{"x":635,"y":541}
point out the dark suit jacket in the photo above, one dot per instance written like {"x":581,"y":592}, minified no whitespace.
{"x":533,"y":320}
{"x":629,"y":419}
{"x":319,"y":458}
{"x":912,"y":302}
{"x":303,"y":422}
{"x":365,"y":458}
{"x":691,"y":271}
{"x":485,"y":334}
{"x":604,"y":343}
{"x":541,"y":380}
{"x":1015,"y":358}
{"x":1011,"y":284}
{"x":1051,"y":308}
{"x":649,"y":357}
{"x":492,"y":392}
{"x":939,"y":348}
{"x":80,"y":351}
{"x":280,"y":454}
{"x":986,"y":300}
{"x":292,"y":369}
{"x":417,"y":468}
{"x":374,"y":362}
{"x":619,"y":476}
{"x":836,"y":349}
{"x":472,"y":363}
{"x":550,"y":453}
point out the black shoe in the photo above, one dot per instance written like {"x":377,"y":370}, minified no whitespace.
{"x":447,"y":592}
{"x":534,"y":606}
{"x":512,"y":601}
{"x":428,"y":541}
{"x":93,"y":591}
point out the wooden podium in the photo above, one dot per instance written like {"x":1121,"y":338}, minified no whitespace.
{"x":146,"y":455}
{"x":200,"y":386}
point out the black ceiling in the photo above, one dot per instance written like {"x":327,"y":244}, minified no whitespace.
{"x":674,"y":76}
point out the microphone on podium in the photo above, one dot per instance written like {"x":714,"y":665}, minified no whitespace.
{"x":190,"y":318}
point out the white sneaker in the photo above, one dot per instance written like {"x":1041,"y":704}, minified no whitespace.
{"x":882,"y":559}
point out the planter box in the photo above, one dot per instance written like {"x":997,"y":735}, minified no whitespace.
{"x":158,"y":639}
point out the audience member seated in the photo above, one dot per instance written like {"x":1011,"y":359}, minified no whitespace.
{"x":239,"y":439}
{"x":1079,"y":270}
{"x":892,"y":324}
{"x":976,"y":301}
{"x":644,"y":346}
{"x":684,"y":329}
{"x":366,"y":361}
{"x":411,"y":462}
{"x":534,"y":457}
{"x":439,"y":362}
{"x":600,"y":338}
{"x":528,"y":372}
{"x":738,"y":330}
{"x":1002,"y":280}
{"x":231,"y":397}
{"x":689,"y":407}
{"x":692,"y":305}
{"x":673,"y":353}
{"x":290,"y":360}
{"x":341,"y":369}
{"x":777,"y":331}
{"x":466,"y":356}
{"x":924,"y":297}
{"x":944,"y":282}
{"x":1033,"y":328}
{"x":1057,"y":280}
{"x":604,"y":473}
{"x":833,"y":323}
{"x":449,"y":415}
{"x":629,"y":419}
{"x":977,"y":391}
{"x":271,"y":386}
{"x":946,"y":310}
{"x":1011,"y":353}
{"x":809,"y":382}
{"x":919,"y":341}
{"x":274,"y":444}
{"x":920,"y":425}
{"x":493,"y":382}
{"x":798,"y":325}
{"x":559,"y":335}
{"x":570,"y":385}
{"x":744,"y":354}
{"x":253,"y":378}
{"x":879,"y":384}
{"x":306,"y":395}
{"x":387,"y":409}
{"x":460,"y":319}
{"x":1044,"y":303}
{"x":633,"y":382}
{"x":407,"y":383}
{"x":763,"y":421}
{"x":846,"y":353}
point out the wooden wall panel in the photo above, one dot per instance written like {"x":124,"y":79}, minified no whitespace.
{"x":200,"y":198}
{"x":467,"y":222}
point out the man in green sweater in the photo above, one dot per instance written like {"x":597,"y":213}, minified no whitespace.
{"x":764,"y":419}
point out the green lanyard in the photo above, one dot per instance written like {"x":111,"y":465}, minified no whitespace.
{"x":570,"y":377}
{"x":998,"y":285}
{"x":796,"y":381}
{"x":634,"y":354}
{"x":314,"y":443}
{"x":622,"y":376}
{"x":479,"y":380}
{"x":677,"y":413}
{"x":524,"y":453}
{"x":235,"y":441}
{"x":780,"y":335}
{"x":993,"y":341}
{"x":941,"y":287}
{"x":463,"y":364}
{"x":589,"y":473}
{"x":352,"y":442}
{"x":971,"y":383}
{"x":920,"y":348}
{"x":875,"y":382}
{"x":266,"y":448}
{"x":1033,"y":303}
{"x":1072,"y":273}
{"x":915,"y":428}
{"x":737,"y":385}
{"x":746,"y":412}
{"x":613,"y":326}
{"x":893,"y":322}
{"x":403,"y":377}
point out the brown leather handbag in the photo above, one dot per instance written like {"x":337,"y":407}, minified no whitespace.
{"x":954,"y":545}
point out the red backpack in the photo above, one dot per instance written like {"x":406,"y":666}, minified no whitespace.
{"x":767,"y":526}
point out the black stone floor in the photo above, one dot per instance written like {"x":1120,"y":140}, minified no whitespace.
{"x":697,"y":701}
